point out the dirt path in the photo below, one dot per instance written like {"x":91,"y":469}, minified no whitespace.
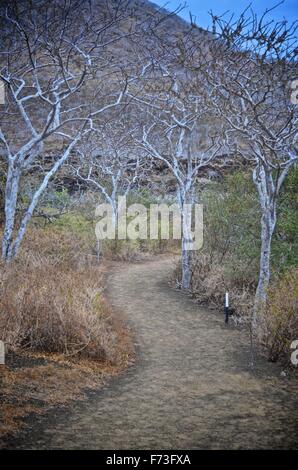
{"x":191,"y":387}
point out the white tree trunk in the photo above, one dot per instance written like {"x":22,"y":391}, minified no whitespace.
{"x":11,"y":241}
{"x":11,"y":195}
{"x":268,"y":222}
{"x":185,"y":196}
{"x":267,"y":191}
{"x":186,"y":272}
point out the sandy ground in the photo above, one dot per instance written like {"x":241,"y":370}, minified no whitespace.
{"x":191,"y":386}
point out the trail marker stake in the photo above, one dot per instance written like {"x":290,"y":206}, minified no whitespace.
{"x":227,"y":310}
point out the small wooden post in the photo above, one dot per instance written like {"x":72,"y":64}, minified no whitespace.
{"x":227,"y":307}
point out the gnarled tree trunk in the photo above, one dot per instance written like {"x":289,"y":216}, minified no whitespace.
{"x":267,"y":191}
{"x":11,"y":195}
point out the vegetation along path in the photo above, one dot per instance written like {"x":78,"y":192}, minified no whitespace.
{"x":191,"y":386}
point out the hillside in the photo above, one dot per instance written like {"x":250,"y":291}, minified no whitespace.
{"x":125,"y":46}
{"x":148,"y":219}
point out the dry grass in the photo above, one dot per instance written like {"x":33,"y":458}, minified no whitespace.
{"x":279,"y":321}
{"x":209,"y":282}
{"x":52,"y":307}
{"x":51,"y":303}
{"x":278,"y":324}
{"x":36,"y":387}
{"x":137,"y":250}
{"x":56,"y":310}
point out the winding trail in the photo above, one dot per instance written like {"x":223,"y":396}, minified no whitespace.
{"x":191,"y":387}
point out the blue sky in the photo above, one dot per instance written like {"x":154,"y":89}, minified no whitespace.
{"x":200,"y":8}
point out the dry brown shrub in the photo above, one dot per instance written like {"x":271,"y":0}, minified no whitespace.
{"x":278,"y":325}
{"x":209,"y":283}
{"x":136,"y":250}
{"x":54,"y":247}
{"x":61,"y":337}
{"x":51,"y":300}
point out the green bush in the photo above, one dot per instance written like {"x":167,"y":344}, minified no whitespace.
{"x":285,"y":242}
{"x":232,"y":228}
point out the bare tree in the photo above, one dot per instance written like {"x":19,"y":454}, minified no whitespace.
{"x":110,"y":164}
{"x":172,"y":134}
{"x":251,"y":92}
{"x":61,"y":82}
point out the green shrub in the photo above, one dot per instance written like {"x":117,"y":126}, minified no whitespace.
{"x":285,"y":241}
{"x":232,"y":229}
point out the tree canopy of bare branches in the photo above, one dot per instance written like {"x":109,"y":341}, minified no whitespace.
{"x":251,"y":83}
{"x":62,"y":81}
